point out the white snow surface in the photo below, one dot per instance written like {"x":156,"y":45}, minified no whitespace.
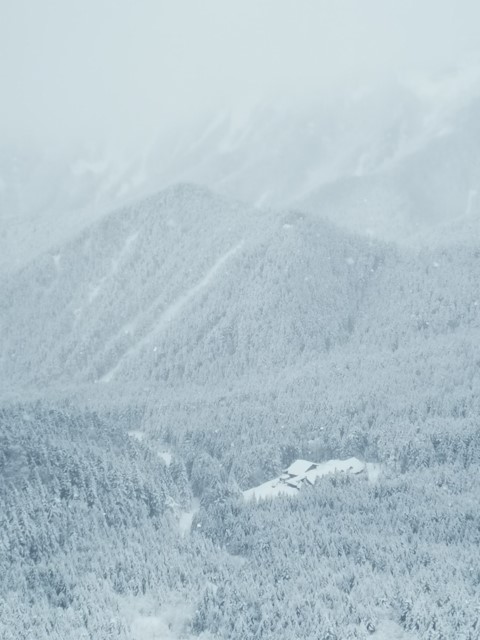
{"x":299,"y":473}
{"x":374,"y":471}
{"x":186,"y":518}
{"x":175,"y":308}
{"x":150,"y":619}
{"x":49,"y":195}
{"x":166,"y":456}
{"x":298,"y":467}
{"x":390,"y":630}
{"x":136,"y":435}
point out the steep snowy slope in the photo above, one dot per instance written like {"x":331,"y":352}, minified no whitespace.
{"x":86,"y":297}
{"x":184,"y":287}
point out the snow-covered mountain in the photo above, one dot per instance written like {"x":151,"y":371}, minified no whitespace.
{"x":191,"y":288}
{"x":184,"y":286}
{"x":387,"y":161}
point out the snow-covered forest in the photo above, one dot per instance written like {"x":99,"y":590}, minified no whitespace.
{"x":240,"y":357}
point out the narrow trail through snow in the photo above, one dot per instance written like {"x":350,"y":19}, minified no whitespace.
{"x":174,"y":310}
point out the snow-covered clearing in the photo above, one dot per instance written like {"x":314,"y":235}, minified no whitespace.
{"x":166,"y":456}
{"x":150,"y":620}
{"x":302,"y":472}
{"x":389,"y":630}
{"x":374,"y":471}
{"x":186,"y":517}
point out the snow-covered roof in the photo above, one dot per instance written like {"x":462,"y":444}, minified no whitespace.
{"x":351,"y":465}
{"x":299,"y":466}
{"x":295,"y":481}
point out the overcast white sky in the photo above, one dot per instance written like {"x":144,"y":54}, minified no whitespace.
{"x":75,"y":68}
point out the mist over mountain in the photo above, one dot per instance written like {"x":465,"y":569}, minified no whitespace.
{"x":390,"y":160}
{"x":436,"y":182}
